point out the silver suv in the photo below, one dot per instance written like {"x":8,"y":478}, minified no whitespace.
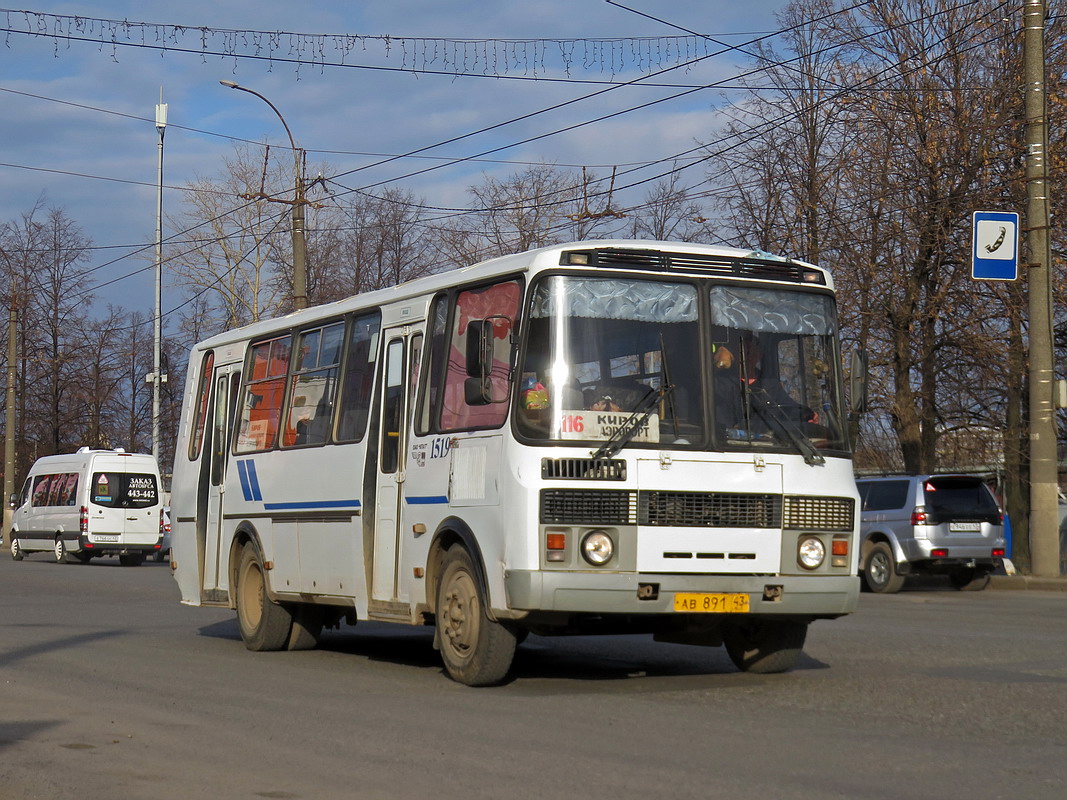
{"x":928,"y":524}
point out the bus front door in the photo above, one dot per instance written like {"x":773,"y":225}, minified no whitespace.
{"x":227,"y":383}
{"x":400,"y":364}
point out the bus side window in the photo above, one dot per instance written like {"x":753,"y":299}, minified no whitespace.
{"x":497,"y":308}
{"x":358,"y":379}
{"x":313,"y":384}
{"x":437,"y":328}
{"x":262,"y":408}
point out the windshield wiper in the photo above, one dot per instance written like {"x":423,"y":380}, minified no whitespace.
{"x":626,"y":432}
{"x":771,"y":412}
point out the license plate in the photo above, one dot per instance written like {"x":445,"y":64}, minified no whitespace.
{"x":965,"y":527}
{"x":711,"y":603}
{"x":105,"y":537}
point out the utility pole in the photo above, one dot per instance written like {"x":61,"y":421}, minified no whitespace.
{"x":157,"y":378}
{"x":1044,"y":476}
{"x":9,"y":432}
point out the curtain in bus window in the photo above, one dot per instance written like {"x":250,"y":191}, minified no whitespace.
{"x":772,"y":311}
{"x":358,"y":378}
{"x":201,"y":407}
{"x":498,"y":306}
{"x":261,"y":412}
{"x":311,"y":394}
{"x":637,"y":301}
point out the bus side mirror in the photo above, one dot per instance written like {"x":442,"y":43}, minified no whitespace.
{"x":13,"y":501}
{"x":478,"y":388}
{"x":857,"y":381}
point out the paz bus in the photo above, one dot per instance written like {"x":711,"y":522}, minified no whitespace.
{"x":597,"y":437}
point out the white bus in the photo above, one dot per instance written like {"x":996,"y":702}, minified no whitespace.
{"x":605,"y":436}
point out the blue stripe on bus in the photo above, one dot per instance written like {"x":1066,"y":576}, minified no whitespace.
{"x":246,"y":490}
{"x":253,"y":481}
{"x":427,"y":501}
{"x":311,"y":505}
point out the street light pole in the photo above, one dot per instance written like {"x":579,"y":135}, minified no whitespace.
{"x":300,"y":298}
{"x":157,"y":327}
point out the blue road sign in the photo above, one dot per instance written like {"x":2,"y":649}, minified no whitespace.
{"x":995,"y":250}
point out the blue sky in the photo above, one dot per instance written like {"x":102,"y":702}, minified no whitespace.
{"x":86,"y":107}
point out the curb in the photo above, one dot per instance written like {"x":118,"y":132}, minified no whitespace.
{"x":1027,"y":583}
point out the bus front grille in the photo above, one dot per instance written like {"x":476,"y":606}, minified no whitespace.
{"x":819,"y":513}
{"x":587,"y":507}
{"x":584,"y":469}
{"x":710,"y":510}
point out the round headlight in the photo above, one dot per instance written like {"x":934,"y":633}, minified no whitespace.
{"x":597,"y":548}
{"x":811,"y":552}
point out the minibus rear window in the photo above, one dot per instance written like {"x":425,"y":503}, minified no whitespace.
{"x":124,"y":490}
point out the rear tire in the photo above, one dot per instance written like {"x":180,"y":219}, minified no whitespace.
{"x":131,"y":559}
{"x":60,"y":551}
{"x":16,"y":549}
{"x":264,"y":624}
{"x":307,"y":626}
{"x":765,"y":646}
{"x":475,"y":650}
{"x":880,"y":572}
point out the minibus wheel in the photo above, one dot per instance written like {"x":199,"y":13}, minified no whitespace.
{"x":765,"y":645}
{"x":476,"y":650}
{"x":264,"y":624}
{"x":61,"y":550}
{"x":16,"y":549}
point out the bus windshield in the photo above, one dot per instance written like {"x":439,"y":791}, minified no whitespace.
{"x":611,"y":356}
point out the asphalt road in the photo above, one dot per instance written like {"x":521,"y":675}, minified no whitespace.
{"x":109,"y":688}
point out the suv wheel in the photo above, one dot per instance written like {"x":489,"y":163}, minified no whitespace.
{"x":880,"y":570}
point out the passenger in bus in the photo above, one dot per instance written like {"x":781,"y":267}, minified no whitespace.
{"x":740,"y":380}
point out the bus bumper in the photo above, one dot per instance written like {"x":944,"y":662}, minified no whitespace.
{"x":633,"y":593}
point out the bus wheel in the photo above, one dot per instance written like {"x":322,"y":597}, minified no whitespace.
{"x":16,"y":549}
{"x":476,"y":650}
{"x":61,"y":550}
{"x":880,"y":572}
{"x":264,"y":624}
{"x":307,"y":625}
{"x":765,"y":646}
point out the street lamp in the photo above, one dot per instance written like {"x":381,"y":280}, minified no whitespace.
{"x":300,"y":298}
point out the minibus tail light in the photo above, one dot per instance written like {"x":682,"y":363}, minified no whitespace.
{"x":939,"y":552}
{"x":998,"y":552}
{"x":83,"y":520}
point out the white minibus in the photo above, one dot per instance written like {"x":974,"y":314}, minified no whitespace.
{"x":608,"y":436}
{"x":90,"y":504}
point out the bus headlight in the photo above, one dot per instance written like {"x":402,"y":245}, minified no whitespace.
{"x":811,"y":552}
{"x":597,"y":548}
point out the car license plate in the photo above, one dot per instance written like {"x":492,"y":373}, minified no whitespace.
{"x":711,"y":603}
{"x":105,"y":537}
{"x":965,"y":527}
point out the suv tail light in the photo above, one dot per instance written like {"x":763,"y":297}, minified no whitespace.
{"x":83,"y":520}
{"x":919,"y":516}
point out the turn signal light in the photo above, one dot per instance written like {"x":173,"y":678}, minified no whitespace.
{"x":839,"y":547}
{"x":556,"y":541}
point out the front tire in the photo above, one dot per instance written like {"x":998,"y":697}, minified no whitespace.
{"x":765,"y":646}
{"x":264,"y":624}
{"x":476,"y":650}
{"x":16,"y":549}
{"x":880,"y":572}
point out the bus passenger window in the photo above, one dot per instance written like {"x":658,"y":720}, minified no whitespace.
{"x":262,"y":407}
{"x":358,"y":379}
{"x":314,"y":382}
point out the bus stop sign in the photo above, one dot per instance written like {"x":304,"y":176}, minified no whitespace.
{"x":995,"y":246}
